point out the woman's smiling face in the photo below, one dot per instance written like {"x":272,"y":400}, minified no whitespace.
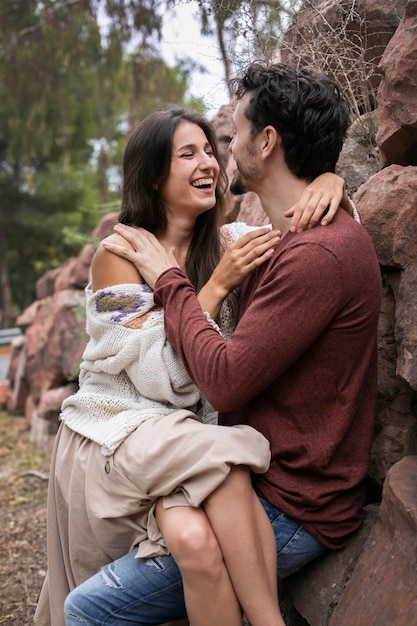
{"x":191,"y":184}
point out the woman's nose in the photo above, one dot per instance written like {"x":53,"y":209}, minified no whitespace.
{"x":207,"y":160}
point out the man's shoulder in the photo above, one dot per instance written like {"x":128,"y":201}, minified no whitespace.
{"x":343,"y":233}
{"x":339,"y":245}
{"x":347,"y":232}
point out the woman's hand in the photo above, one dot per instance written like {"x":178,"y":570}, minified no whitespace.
{"x":237,"y":262}
{"x":148,"y":255}
{"x":327,"y":191}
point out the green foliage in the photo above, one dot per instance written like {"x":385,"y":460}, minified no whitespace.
{"x":32,"y":221}
{"x":47,"y":59}
{"x":71,"y":89}
{"x":155,"y":85}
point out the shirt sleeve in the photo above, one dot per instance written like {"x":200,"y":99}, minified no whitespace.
{"x":285,"y":312}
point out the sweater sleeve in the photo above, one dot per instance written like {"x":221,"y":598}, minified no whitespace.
{"x":285,"y":311}
{"x":127,"y":334}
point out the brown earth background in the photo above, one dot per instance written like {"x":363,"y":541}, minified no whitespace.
{"x":23,"y":487}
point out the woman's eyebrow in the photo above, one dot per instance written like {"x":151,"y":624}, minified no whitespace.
{"x":191,"y":146}
{"x":186,"y":146}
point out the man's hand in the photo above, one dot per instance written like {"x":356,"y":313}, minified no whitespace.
{"x":148,"y":255}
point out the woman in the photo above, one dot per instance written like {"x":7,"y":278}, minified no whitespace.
{"x":107,"y":445}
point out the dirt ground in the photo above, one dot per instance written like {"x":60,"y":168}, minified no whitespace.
{"x":23,"y":487}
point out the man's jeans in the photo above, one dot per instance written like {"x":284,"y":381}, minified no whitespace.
{"x":139,"y":592}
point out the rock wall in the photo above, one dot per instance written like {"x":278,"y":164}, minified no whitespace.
{"x":372,"y":581}
{"x":359,"y":29}
{"x":45,"y":360}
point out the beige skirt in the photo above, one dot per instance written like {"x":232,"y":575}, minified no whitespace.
{"x":100,"y":507}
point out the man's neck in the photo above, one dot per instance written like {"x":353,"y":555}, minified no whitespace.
{"x":277,"y":196}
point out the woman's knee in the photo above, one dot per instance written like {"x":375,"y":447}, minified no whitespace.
{"x":193,"y":543}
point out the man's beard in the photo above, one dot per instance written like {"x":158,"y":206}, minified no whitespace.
{"x":246,"y":169}
{"x":236,"y":186}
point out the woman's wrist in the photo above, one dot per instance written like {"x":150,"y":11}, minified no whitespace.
{"x":211,"y":297}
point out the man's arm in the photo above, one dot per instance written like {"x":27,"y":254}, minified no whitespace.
{"x":287,"y":312}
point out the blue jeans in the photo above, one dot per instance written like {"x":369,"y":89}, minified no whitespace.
{"x":139,"y":592}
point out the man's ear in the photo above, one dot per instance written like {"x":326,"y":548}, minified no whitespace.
{"x":270,"y":139}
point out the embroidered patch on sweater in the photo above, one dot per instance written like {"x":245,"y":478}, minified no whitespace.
{"x":122,"y":304}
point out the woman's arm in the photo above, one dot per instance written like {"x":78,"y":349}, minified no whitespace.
{"x":319,"y":202}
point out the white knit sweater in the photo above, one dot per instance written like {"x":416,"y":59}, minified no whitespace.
{"x":127,"y":374}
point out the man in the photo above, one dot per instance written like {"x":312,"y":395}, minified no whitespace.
{"x":301,"y":364}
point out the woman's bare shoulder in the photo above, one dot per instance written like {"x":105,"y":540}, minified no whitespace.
{"x":108,"y":269}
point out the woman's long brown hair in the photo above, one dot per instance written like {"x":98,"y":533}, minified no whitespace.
{"x":146,"y":166}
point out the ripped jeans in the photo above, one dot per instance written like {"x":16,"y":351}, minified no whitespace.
{"x":140,"y":592}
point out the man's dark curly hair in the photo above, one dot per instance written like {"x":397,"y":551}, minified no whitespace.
{"x":304,"y":106}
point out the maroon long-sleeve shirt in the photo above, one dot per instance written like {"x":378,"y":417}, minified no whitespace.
{"x":300,"y":367}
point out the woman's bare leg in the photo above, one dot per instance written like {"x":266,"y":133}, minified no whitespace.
{"x":247,"y":541}
{"x":208,"y":592}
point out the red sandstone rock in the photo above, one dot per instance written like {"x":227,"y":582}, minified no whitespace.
{"x":45,"y":286}
{"x":74,"y":274}
{"x":222,"y":125}
{"x":28,"y":316}
{"x":386,"y":203}
{"x":51,"y":400}
{"x":406,"y":325}
{"x":55,"y":342}
{"x":105,"y":226}
{"x":320,"y":585}
{"x":4,"y":393}
{"x":395,"y":418}
{"x":382,"y":588}
{"x":17,"y":346}
{"x":391,"y":193}
{"x":397,"y":103}
{"x":251,"y":211}
{"x":388,"y":210}
{"x":19,"y":387}
{"x":359,"y":31}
